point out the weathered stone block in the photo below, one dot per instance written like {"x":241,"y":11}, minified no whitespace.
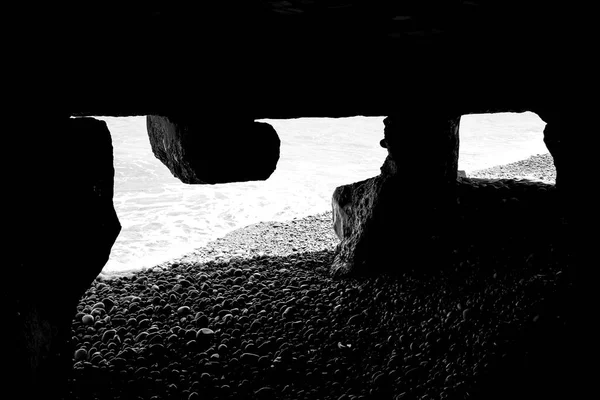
{"x":360,"y":211}
{"x":200,"y":151}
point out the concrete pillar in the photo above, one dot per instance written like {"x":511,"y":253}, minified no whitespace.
{"x":424,"y":147}
{"x":401,"y":213}
{"x":61,"y":227}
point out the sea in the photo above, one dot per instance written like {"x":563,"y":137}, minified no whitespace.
{"x":163,"y":218}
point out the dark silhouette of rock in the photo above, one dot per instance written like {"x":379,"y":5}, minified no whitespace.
{"x":196,"y":151}
{"x":398,"y":211}
{"x":62,"y":226}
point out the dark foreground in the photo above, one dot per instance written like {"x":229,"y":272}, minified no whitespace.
{"x":255,"y":315}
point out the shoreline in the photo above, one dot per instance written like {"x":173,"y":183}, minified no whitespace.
{"x":539,"y":167}
{"x":242,"y":243}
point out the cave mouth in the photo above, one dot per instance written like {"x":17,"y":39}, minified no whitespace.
{"x":163,"y":219}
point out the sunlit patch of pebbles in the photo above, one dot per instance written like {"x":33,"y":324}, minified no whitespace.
{"x":539,"y":167}
{"x":257,"y":316}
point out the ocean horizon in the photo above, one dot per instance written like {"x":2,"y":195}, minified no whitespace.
{"x":163,"y":218}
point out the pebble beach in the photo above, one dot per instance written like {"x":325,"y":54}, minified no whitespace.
{"x":256,"y":315}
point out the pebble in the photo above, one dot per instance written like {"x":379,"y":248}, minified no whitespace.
{"x":185,"y":283}
{"x":141,"y":336}
{"x":255,"y":325}
{"x":204,"y":337}
{"x":108,"y":335}
{"x":108,"y":304}
{"x":201,"y":320}
{"x":263,"y":362}
{"x":190,"y":334}
{"x":96,"y":357}
{"x":205,"y":332}
{"x":239,"y":280}
{"x":183,"y":310}
{"x":288,"y":313}
{"x":80,"y":355}
{"x":466,"y":313}
{"x":249,"y":358}
{"x":87,"y":319}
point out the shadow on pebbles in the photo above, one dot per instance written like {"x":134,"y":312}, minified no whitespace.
{"x":255,"y":315}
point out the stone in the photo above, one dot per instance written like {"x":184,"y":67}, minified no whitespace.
{"x":249,"y":358}
{"x":288,"y":313}
{"x":204,"y":336}
{"x":108,"y":335}
{"x":108,"y":304}
{"x":255,"y":325}
{"x":222,"y":349}
{"x":201,"y":151}
{"x":355,"y":208}
{"x":201,"y":319}
{"x":98,"y":312}
{"x":81,"y":355}
{"x":467,"y":313}
{"x":183,"y":310}
{"x":87,"y":319}
{"x":141,"y":336}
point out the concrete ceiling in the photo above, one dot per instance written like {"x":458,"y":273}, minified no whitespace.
{"x":295,"y":58}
